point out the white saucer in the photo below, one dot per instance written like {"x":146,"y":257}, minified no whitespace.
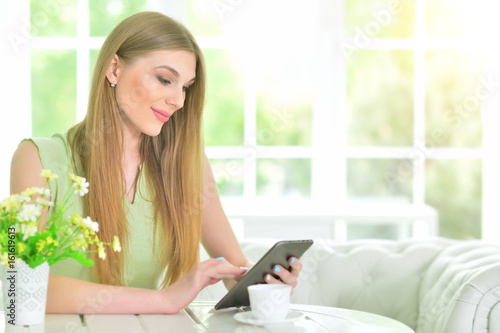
{"x":250,"y":318}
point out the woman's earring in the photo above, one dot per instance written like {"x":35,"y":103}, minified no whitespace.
{"x":113,"y":85}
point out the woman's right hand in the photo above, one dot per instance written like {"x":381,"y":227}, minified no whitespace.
{"x":181,"y":293}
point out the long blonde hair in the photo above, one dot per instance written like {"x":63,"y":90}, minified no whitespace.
{"x":172,"y":161}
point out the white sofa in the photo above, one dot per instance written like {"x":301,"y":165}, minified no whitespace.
{"x":433,"y":286}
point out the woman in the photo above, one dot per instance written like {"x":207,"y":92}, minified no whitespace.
{"x":140,"y":147}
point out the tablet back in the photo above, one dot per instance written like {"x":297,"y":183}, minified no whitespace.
{"x":277,"y":255}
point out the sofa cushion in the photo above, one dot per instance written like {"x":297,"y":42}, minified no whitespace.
{"x":377,"y":276}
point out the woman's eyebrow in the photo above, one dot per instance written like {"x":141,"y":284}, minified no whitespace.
{"x":173,"y":71}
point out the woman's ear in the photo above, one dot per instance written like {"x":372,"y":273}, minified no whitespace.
{"x":113,"y":70}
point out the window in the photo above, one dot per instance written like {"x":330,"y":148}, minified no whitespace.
{"x":324,"y":102}
{"x":410,"y":79}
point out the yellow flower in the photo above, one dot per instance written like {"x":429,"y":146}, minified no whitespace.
{"x":44,"y":203}
{"x":75,"y":179}
{"x":40,"y":245}
{"x":10,"y":203}
{"x":22,"y":212}
{"x":80,"y":242}
{"x":29,"y":192}
{"x":116,"y":245}
{"x":77,"y":220}
{"x":4,"y":259}
{"x":100,"y":251}
{"x":21,"y":247}
{"x":47,"y":174}
{"x":94,"y":240}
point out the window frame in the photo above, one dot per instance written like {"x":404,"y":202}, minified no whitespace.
{"x":328,"y":175}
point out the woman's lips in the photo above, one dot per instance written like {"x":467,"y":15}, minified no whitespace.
{"x":161,"y":115}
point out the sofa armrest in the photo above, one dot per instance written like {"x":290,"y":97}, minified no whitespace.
{"x":460,"y":289}
{"x":494,"y":318}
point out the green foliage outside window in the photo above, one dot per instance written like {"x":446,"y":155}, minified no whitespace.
{"x":447,"y":18}
{"x":380,"y":179}
{"x":380,"y":98}
{"x":223,"y":115}
{"x":284,"y":178}
{"x":53,"y":97}
{"x":106,"y":14}
{"x":202,"y":18}
{"x":379,"y":19}
{"x":283,"y":119}
{"x":454,"y":188}
{"x":53,"y":18}
{"x":229,"y":176}
{"x":455,"y":89}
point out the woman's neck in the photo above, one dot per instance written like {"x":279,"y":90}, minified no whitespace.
{"x":131,"y":160}
{"x":131,"y":146}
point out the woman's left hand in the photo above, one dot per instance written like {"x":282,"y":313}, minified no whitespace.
{"x":286,"y":276}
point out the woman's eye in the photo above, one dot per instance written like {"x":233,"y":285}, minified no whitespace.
{"x":185,"y":89}
{"x":162,"y":80}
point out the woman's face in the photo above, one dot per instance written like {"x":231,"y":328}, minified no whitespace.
{"x":152,"y":88}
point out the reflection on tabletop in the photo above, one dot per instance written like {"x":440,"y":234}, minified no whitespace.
{"x":201,"y":317}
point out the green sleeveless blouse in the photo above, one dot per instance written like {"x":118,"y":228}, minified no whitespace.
{"x":141,"y":269}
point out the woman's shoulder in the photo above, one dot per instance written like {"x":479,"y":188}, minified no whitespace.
{"x":26,"y":150}
{"x":47,"y":153}
{"x":57,"y":143}
{"x":25,"y":167}
{"x":31,"y":156}
{"x":54,"y":148}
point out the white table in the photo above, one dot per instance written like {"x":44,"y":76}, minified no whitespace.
{"x":199,"y":317}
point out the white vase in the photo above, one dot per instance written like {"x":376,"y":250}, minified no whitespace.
{"x":25,"y":293}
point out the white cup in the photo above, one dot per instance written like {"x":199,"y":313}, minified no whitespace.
{"x":269,"y":302}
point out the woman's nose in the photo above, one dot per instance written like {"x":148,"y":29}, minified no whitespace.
{"x":176,"y":99}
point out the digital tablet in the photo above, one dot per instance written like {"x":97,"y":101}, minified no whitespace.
{"x":277,"y":255}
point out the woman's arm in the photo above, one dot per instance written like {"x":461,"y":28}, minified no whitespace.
{"x":218,"y":237}
{"x":25,"y":170}
{"x":68,"y":295}
{"x":219,"y":240}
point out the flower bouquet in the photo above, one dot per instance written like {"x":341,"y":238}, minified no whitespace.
{"x":28,"y":249}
